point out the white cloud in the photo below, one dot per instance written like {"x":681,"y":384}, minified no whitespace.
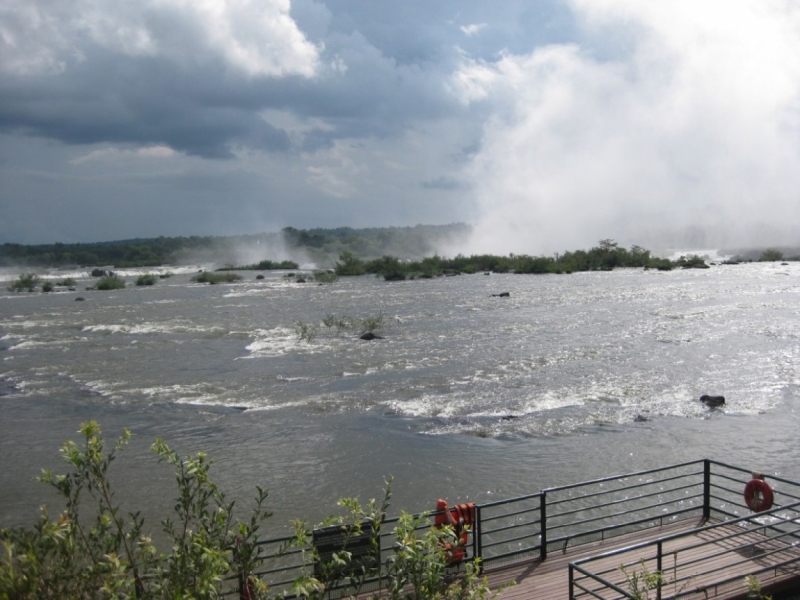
{"x":470,"y":30}
{"x":693,"y":122}
{"x":124,"y":154}
{"x":254,"y":38}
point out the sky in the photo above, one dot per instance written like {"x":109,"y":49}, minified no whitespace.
{"x":547,"y":124}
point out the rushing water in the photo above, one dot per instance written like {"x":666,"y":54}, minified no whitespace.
{"x":468,"y":396}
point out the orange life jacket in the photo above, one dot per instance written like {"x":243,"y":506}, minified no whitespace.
{"x":461,"y":518}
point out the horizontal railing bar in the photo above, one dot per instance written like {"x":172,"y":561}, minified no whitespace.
{"x":509,"y":500}
{"x":610,"y":517}
{"x":732,"y":536}
{"x":282,"y":569}
{"x":757,"y":572}
{"x":708,"y":558}
{"x":723,"y":568}
{"x":787,"y":494}
{"x":725,"y":477}
{"x":508,"y":541}
{"x":618,"y":477}
{"x":506,"y":515}
{"x":642,"y":521}
{"x":723,"y":499}
{"x":589,"y":575}
{"x":280,"y":540}
{"x":741,"y":470}
{"x":507,"y":527}
{"x":718,"y":488}
{"x":486,"y":545}
{"x":723,"y":552}
{"x":579,"y":510}
{"x":675,"y":536}
{"x":588,"y":591}
{"x":727,"y":466}
{"x":620,"y":526}
{"x":629,"y":487}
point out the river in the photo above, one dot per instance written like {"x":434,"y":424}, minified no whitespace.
{"x":468,"y":396}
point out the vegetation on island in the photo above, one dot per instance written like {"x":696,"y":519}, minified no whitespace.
{"x":96,"y":547}
{"x":325,"y":276}
{"x":607,"y":256}
{"x":339,"y":324}
{"x":25,"y":282}
{"x":264,"y":265}
{"x":392,"y":253}
{"x":146,"y":279}
{"x":110,"y":282}
{"x":214,"y":278}
{"x":772,"y":254}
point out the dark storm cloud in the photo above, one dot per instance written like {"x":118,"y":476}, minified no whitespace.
{"x":380,"y":65}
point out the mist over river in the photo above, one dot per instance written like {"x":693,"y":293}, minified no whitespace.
{"x":468,"y":396}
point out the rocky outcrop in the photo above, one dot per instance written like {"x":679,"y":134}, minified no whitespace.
{"x":502,"y":295}
{"x":369,"y":336}
{"x":712,"y":401}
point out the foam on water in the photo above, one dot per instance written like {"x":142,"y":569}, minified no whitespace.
{"x":153,"y":328}
{"x":275,"y":342}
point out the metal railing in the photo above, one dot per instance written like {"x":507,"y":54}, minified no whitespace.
{"x":529,"y":527}
{"x":705,"y":561}
{"x":702,"y":568}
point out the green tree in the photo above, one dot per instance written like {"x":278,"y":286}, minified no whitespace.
{"x":771,"y":255}
{"x":26,"y":281}
{"x":96,"y":551}
{"x":349,"y":265}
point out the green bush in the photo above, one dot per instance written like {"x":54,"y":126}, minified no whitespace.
{"x":306,"y":332}
{"x":94,"y":551}
{"x":771,"y":255}
{"x":47,"y":286}
{"x":214,"y":278}
{"x":110,"y":282}
{"x":662,"y":264}
{"x":373,"y":324}
{"x":264,"y":265}
{"x":351,"y":265}
{"x":325,"y":276}
{"x":67,"y":282}
{"x":147,"y":279}
{"x":416,"y":570}
{"x":26,"y":281}
{"x":691,"y":261}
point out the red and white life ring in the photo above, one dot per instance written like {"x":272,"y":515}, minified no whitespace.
{"x":758,"y":495}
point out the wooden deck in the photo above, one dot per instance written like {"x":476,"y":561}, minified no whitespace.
{"x":700,"y":568}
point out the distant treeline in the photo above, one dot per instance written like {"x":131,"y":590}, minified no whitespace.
{"x":604,"y":257}
{"x":393,"y":252}
{"x":320,"y":245}
{"x":264,"y":265}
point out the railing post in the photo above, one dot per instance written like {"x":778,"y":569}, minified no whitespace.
{"x":571,"y":576}
{"x":706,"y":489}
{"x":543,"y":523}
{"x":660,"y":571}
{"x":477,"y":547}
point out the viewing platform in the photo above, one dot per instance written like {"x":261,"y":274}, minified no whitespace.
{"x":686,"y":526}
